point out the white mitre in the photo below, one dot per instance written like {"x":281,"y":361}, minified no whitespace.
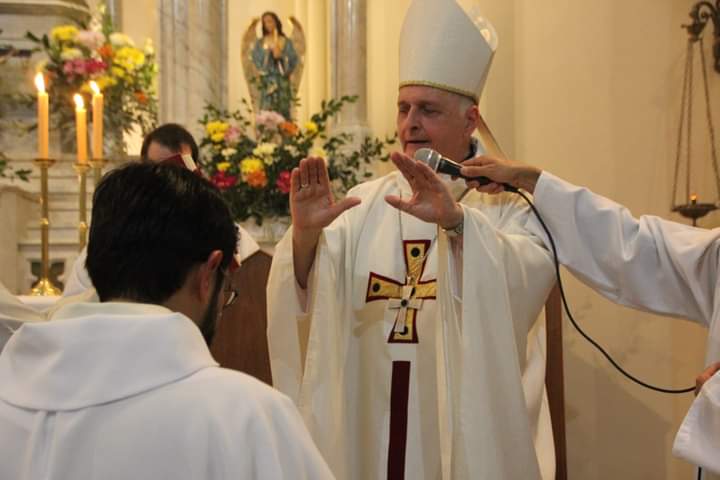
{"x":447,"y":46}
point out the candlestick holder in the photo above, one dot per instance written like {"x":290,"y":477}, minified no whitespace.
{"x":98,"y":164}
{"x":694,"y":210}
{"x":44,"y":287}
{"x":81,"y":169}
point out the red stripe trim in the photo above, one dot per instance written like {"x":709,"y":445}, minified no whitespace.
{"x":398,"y":420}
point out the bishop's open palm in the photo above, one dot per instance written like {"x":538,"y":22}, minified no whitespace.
{"x":311,"y":201}
{"x":431,"y":200}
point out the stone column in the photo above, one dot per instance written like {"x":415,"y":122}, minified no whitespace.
{"x":193,"y":59}
{"x":348,"y":45}
{"x":114,"y":8}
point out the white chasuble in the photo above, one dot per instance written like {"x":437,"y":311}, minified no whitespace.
{"x":402,"y":365}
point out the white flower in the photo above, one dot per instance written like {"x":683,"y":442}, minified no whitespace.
{"x":149,"y":47}
{"x":292,"y":150}
{"x":228,"y":152}
{"x":121,"y":40}
{"x":90,"y":39}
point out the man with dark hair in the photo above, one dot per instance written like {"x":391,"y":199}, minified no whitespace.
{"x":166,"y":141}
{"x":126,"y":388}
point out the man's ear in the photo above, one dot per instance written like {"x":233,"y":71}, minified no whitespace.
{"x":472,"y":119}
{"x":207,"y":273}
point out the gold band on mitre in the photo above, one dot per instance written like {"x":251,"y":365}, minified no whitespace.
{"x":441,"y":86}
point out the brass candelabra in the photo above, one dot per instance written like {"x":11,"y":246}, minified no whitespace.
{"x":82,"y":169}
{"x":44,"y":287}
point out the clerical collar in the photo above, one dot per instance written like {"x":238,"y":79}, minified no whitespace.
{"x":474,"y":146}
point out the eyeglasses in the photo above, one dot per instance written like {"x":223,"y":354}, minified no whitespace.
{"x":231,"y":294}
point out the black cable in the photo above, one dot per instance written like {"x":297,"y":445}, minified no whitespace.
{"x":699,"y":473}
{"x":572,"y":320}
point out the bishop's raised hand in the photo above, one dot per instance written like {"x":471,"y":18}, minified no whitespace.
{"x":312,"y":205}
{"x":431,"y":200}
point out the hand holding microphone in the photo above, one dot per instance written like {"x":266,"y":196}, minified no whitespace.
{"x":487,"y":174}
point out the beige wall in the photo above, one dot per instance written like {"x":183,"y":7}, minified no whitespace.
{"x":589,"y":90}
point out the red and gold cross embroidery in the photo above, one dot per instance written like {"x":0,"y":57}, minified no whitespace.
{"x":407,"y":298}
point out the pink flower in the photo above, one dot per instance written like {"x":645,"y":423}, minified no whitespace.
{"x":283,"y":181}
{"x":269,"y":119}
{"x":93,"y":66}
{"x":83,"y":67}
{"x":232,"y":135}
{"x":223,"y":181}
{"x":90,"y":39}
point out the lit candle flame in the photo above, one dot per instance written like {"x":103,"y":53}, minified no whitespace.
{"x":79,"y":103}
{"x":693,"y":198}
{"x":94,"y":87}
{"x":40,"y":82}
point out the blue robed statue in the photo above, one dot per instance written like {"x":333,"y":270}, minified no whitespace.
{"x":273,"y":63}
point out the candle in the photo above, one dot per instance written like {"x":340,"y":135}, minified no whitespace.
{"x":81,"y":128}
{"x":97,"y":117}
{"x":43,"y":112}
{"x":693,"y":199}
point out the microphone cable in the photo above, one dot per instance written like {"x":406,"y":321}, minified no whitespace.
{"x":587,"y":337}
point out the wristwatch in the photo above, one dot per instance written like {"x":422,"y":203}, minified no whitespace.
{"x":455,"y":231}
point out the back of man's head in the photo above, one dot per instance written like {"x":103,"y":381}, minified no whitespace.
{"x":150,"y":225}
{"x":171,"y":136}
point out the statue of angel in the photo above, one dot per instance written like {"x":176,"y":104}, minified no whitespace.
{"x":273,"y":63}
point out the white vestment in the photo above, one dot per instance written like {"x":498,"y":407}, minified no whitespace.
{"x":474,"y":395}
{"x":130,"y":391}
{"x":78,"y":280}
{"x":650,"y":264}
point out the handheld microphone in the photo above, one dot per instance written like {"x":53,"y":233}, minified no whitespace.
{"x":442,"y":164}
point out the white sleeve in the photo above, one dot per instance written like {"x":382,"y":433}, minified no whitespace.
{"x":78,"y":280}
{"x":698,"y":439}
{"x":646,"y":263}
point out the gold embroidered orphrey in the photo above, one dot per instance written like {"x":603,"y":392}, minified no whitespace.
{"x":407,"y":298}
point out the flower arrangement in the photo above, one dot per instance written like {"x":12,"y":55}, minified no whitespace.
{"x":125,"y":73}
{"x":251,"y":160}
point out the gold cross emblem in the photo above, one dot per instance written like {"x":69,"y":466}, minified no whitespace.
{"x":407,"y":298}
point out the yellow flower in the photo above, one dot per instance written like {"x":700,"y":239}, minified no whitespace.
{"x":318,"y":152}
{"x":63,"y":33}
{"x":222,"y":166}
{"x":216,"y":126}
{"x":216,"y":130}
{"x":105,"y":81}
{"x":249,"y":165}
{"x":129,"y":58}
{"x":118,"y":72}
{"x":71,"y":53}
{"x":311,"y":127}
{"x":264,"y":149}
